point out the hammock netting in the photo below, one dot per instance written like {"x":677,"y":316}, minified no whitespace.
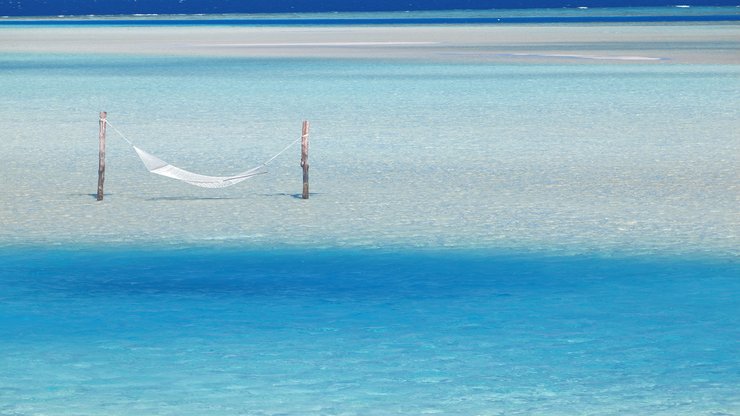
{"x":160,"y":167}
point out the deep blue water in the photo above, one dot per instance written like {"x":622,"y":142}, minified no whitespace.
{"x":375,"y":21}
{"x":83,"y":7}
{"x":228,"y":331}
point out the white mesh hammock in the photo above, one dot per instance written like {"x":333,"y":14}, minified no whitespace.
{"x":158,"y":166}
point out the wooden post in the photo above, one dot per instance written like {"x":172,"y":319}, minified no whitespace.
{"x":101,"y":154}
{"x":304,"y":157}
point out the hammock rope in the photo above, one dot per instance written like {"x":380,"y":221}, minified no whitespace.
{"x":158,"y":166}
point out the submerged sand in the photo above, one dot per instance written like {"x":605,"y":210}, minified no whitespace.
{"x":676,"y":43}
{"x":639,"y":157}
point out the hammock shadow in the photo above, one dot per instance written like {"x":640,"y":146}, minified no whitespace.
{"x":208,"y":198}
{"x":189,"y":198}
{"x":296,"y":196}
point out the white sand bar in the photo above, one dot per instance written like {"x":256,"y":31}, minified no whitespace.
{"x":687,"y":43}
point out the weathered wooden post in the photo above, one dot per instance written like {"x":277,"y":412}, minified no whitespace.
{"x":304,"y":157}
{"x":101,"y":154}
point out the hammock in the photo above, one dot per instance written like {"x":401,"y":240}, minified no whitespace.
{"x":158,"y":166}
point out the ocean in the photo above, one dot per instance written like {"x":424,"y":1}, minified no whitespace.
{"x":130,"y":7}
{"x":488,"y":16}
{"x":195,"y":331}
{"x":498,"y":227}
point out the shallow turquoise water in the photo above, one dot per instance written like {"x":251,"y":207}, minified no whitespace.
{"x":570,"y":158}
{"x":223,"y":332}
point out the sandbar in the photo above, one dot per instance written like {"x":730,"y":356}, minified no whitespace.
{"x":585,"y":43}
